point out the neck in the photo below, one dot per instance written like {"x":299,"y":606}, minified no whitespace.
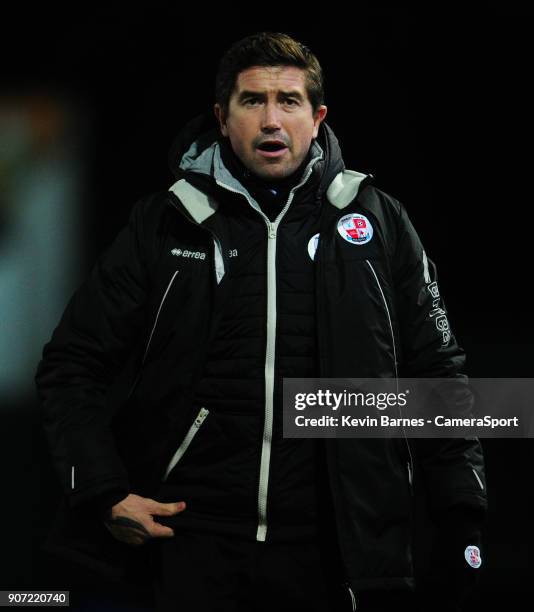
{"x":249,"y":179}
{"x":271,"y":195}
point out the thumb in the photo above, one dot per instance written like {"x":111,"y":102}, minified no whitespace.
{"x":169,"y":509}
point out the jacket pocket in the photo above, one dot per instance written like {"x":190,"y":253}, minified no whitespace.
{"x":151,"y":334}
{"x":191,"y":433}
{"x":387,"y":312}
{"x":410,"y":462}
{"x":479,"y":483}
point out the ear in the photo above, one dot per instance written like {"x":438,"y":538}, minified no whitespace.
{"x":317,"y":118}
{"x":217,"y":109}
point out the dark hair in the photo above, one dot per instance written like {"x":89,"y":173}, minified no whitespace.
{"x":268,"y":49}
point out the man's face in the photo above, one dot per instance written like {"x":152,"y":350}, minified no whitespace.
{"x":270,"y":121}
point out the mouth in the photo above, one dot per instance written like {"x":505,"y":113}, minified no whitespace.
{"x":272,"y":148}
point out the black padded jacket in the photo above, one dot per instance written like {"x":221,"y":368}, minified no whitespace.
{"x":118,"y":377}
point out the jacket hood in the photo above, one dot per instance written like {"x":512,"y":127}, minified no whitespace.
{"x":196,"y":150}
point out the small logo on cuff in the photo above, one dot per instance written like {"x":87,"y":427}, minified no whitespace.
{"x":472,"y":556}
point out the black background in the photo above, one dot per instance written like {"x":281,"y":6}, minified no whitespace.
{"x":437,"y":108}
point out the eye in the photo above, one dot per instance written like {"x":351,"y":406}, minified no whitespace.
{"x":291,"y":102}
{"x":251,"y":101}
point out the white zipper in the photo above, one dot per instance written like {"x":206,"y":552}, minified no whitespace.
{"x":191,"y":433}
{"x":272,"y":228}
{"x":410,"y":463}
{"x":261,"y":532}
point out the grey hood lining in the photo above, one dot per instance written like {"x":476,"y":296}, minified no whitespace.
{"x":227,"y":179}
{"x":201,"y":206}
{"x":193,"y":161}
{"x":344,"y":188}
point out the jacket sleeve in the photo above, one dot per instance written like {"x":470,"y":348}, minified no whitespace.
{"x":87,"y":351}
{"x":451,"y":470}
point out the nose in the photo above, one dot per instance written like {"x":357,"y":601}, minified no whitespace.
{"x":270,"y":120}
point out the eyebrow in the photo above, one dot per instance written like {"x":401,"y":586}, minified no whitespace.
{"x":258,"y":94}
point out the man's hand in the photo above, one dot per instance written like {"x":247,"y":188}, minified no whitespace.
{"x":130,"y":521}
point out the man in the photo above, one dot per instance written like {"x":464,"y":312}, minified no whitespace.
{"x":162,"y":385}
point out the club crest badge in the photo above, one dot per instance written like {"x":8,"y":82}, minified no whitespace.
{"x":355,"y":228}
{"x":472,"y":556}
{"x":312,"y":246}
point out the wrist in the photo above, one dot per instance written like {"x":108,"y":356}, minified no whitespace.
{"x":104,"y":503}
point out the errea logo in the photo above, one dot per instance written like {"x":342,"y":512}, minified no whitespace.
{"x":188,"y":254}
